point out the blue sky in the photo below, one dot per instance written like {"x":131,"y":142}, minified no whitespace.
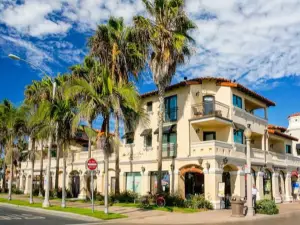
{"x":255,"y":42}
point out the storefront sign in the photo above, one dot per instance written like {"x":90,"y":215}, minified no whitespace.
{"x":221,"y":190}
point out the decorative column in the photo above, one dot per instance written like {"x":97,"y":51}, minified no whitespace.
{"x":83,"y":187}
{"x":260,"y":185}
{"x":212,"y":178}
{"x":275,"y":187}
{"x":239,"y":182}
{"x":26,"y":191}
{"x":288,"y":187}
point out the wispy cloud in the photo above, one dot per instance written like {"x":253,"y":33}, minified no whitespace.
{"x":247,"y":40}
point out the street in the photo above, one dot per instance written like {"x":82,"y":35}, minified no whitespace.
{"x":16,"y":216}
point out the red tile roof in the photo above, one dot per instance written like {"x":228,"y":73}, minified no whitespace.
{"x":294,"y":114}
{"x":219,"y":81}
{"x":278,"y":133}
{"x":282,"y":129}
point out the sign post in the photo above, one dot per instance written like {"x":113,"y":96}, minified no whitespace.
{"x":92,"y":165}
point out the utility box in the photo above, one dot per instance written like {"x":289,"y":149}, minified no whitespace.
{"x":237,"y":206}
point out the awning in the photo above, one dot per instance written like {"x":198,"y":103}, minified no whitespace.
{"x":146,"y":132}
{"x":238,"y":126}
{"x":168,"y":129}
{"x":298,"y":146}
{"x":127,"y":135}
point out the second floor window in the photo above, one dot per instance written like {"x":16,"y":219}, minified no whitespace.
{"x":209,"y":135}
{"x":148,"y":140}
{"x":171,"y":108}
{"x":239,"y":136}
{"x":288,"y":149}
{"x":237,"y":101}
{"x":170,"y":138}
{"x":149,"y":106}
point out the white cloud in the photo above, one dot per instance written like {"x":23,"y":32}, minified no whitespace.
{"x":249,"y":40}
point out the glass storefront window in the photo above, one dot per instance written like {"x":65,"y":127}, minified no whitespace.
{"x":165,"y":182}
{"x":133,"y":182}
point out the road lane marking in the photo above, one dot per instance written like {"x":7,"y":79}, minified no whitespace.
{"x":97,"y":223}
{"x":21,"y":216}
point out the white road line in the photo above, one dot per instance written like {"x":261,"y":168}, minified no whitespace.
{"x":97,"y":223}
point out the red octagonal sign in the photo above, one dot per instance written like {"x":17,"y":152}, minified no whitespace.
{"x":92,"y":164}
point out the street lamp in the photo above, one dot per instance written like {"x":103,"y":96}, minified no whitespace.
{"x":46,"y":202}
{"x":248,"y":134}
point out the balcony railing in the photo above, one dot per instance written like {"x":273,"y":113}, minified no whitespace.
{"x":169,"y":150}
{"x":215,"y":109}
{"x":248,"y":116}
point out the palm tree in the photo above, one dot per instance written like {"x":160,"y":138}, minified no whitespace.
{"x":167,"y":33}
{"x":14,"y":128}
{"x":116,"y":47}
{"x":101,"y":99}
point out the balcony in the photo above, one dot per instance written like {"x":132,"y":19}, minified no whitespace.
{"x":169,"y":150}
{"x":216,"y":109}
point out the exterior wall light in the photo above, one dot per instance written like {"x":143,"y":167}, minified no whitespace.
{"x":172,"y":167}
{"x":207,"y":164}
{"x":143,"y":169}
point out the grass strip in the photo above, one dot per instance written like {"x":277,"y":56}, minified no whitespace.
{"x":81,"y":211}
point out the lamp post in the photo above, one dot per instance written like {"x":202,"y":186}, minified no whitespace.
{"x":46,"y":202}
{"x":248,"y":134}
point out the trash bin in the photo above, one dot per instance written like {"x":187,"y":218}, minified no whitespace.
{"x":237,"y":206}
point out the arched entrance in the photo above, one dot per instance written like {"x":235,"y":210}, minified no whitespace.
{"x":193,"y":178}
{"x":267,"y":184}
{"x":75,"y":183}
{"x":229,"y":182}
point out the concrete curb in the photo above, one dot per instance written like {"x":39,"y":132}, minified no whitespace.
{"x":53,"y":213}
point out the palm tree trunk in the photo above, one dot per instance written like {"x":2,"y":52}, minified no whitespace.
{"x":10,"y":177}
{"x":4,"y":176}
{"x":117,"y":156}
{"x":41,"y":173}
{"x":161,"y":94}
{"x":57,"y":166}
{"x":90,"y":142}
{"x":46,"y":202}
{"x":106,"y":159}
{"x":32,"y":171}
{"x":63,"y":197}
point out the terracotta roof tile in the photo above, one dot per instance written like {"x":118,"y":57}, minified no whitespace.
{"x":221,"y":82}
{"x":271,"y":126}
{"x":294,"y":114}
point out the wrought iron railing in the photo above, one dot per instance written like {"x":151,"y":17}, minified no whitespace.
{"x":210,"y":109}
{"x":169,"y":150}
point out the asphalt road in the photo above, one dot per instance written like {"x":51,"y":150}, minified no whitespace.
{"x":16,"y":216}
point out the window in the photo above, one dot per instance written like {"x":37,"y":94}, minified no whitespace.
{"x":288,"y":149}
{"x":53,"y":153}
{"x":148,"y":140}
{"x":239,"y":136}
{"x":171,"y":108}
{"x":209,"y":136}
{"x":129,"y":140}
{"x":133,"y":182}
{"x":208,"y":104}
{"x":170,"y":138}
{"x":149,"y":106}
{"x":237,"y":101}
{"x":165,"y":182}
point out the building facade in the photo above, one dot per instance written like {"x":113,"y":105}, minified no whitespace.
{"x":203,"y":146}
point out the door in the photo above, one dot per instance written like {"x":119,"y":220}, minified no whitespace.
{"x":75,"y":186}
{"x":194,"y":184}
{"x":208,"y":105}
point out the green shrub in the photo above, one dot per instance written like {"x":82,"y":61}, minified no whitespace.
{"x":198,"y":202}
{"x":99,"y":197}
{"x":266,"y":206}
{"x":124,"y":197}
{"x":17,"y":191}
{"x":35,"y":192}
{"x":174,"y":200}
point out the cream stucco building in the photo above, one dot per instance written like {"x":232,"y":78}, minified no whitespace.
{"x":203,"y":145}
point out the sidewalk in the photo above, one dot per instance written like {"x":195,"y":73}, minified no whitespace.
{"x":160,"y":217}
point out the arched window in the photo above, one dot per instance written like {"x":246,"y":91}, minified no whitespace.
{"x":208,"y":104}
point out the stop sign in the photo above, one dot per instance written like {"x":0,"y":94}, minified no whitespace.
{"x":92,"y":164}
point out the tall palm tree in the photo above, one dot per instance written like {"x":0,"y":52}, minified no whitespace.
{"x":167,"y":33}
{"x":14,"y":128}
{"x":116,"y":47}
{"x":101,"y":99}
